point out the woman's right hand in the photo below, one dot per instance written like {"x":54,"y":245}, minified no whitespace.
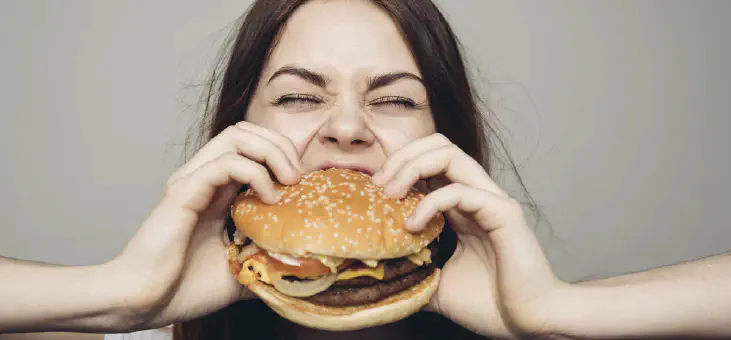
{"x":174,"y":268}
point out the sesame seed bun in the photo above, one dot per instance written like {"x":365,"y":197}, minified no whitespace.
{"x":393,"y":308}
{"x":334,"y":212}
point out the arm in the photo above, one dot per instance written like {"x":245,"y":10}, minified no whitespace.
{"x":51,"y":336}
{"x":39,"y":297}
{"x":688,"y":300}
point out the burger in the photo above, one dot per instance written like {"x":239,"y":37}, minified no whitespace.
{"x":333,"y":253}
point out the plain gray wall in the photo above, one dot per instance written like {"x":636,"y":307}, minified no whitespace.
{"x":617,"y":112}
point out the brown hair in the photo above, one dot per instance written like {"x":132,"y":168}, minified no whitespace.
{"x":453,"y":103}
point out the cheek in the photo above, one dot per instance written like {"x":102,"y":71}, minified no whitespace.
{"x":300,"y":133}
{"x":299,"y":128}
{"x":393,"y":134}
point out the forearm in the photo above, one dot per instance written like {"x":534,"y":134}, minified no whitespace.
{"x":688,"y":300}
{"x":41,"y":297}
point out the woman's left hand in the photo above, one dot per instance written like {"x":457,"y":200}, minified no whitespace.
{"x":498,"y":282}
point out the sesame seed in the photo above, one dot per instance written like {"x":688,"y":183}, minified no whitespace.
{"x":344,"y":248}
{"x":335,"y":235}
{"x":299,"y":211}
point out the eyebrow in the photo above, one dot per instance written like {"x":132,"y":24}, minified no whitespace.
{"x":389,"y":78}
{"x":307,"y":75}
{"x":320,"y":80}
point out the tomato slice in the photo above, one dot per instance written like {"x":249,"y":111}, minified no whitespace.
{"x":308,"y":268}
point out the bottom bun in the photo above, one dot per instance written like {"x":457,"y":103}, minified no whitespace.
{"x":390,"y":309}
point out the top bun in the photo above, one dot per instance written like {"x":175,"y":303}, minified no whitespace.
{"x":334,"y":212}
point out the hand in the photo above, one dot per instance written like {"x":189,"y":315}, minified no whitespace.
{"x":175,"y":264}
{"x":498,"y":282}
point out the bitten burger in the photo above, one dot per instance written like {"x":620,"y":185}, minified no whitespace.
{"x":333,"y":253}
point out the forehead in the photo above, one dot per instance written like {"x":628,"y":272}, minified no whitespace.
{"x":348,"y":36}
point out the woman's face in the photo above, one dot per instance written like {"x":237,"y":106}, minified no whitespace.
{"x":342,"y":84}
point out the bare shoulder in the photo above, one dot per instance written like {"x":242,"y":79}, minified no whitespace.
{"x":52,"y":336}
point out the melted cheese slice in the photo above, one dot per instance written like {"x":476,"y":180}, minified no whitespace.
{"x":372,"y":272}
{"x":424,"y":256}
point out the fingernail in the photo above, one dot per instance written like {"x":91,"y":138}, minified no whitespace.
{"x":409,"y":224}
{"x":376,"y":179}
{"x":390,"y":190}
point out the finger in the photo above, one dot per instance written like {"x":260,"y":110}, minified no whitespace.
{"x":500,"y":218}
{"x":487,"y":209}
{"x":449,"y":160}
{"x":396,"y":160}
{"x":264,"y":151}
{"x":284,"y":143}
{"x":428,"y":164}
{"x":195,"y":191}
{"x":215,"y":147}
{"x":248,"y":144}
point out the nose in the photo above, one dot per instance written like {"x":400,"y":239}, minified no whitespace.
{"x":347,"y":130}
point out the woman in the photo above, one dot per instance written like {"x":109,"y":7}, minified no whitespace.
{"x":379,"y":84}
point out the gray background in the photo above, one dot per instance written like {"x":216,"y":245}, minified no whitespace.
{"x":616,"y":112}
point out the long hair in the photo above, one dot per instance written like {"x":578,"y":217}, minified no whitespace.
{"x":452,"y":100}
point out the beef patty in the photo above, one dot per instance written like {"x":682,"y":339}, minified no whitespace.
{"x":341,"y":296}
{"x":392,"y":268}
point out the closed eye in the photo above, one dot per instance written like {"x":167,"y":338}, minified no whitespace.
{"x":395,"y":101}
{"x":297,"y":99}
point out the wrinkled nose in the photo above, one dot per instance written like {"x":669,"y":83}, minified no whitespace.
{"x":347,"y":131}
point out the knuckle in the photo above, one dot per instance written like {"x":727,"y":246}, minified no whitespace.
{"x":453,"y":149}
{"x":229,"y":157}
{"x":441,"y":138}
{"x":229,"y":132}
{"x":172,"y":179}
{"x":259,"y":171}
{"x":512,"y":208}
{"x":242,"y":125}
{"x":454,"y":187}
